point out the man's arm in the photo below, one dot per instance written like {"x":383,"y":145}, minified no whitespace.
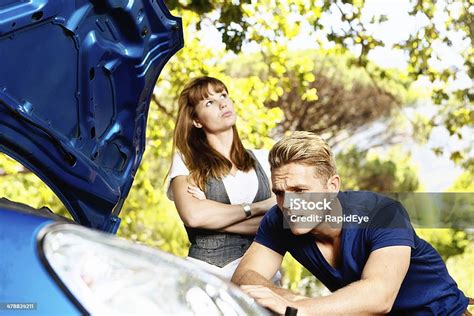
{"x":260,"y":259}
{"x":375,"y":293}
{"x":257,"y":267}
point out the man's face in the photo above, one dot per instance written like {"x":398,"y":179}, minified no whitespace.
{"x":299,"y":178}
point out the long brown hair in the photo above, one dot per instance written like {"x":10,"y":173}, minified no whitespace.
{"x":203,"y":161}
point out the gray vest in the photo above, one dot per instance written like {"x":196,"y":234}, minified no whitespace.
{"x":219,"y":248}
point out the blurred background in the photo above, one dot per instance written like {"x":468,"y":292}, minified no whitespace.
{"x":387,"y":83}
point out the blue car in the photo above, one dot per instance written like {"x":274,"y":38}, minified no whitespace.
{"x":76,"y":79}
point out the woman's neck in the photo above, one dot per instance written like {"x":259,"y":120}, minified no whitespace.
{"x":222,"y":142}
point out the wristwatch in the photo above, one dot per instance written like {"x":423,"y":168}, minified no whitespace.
{"x":247,"y":210}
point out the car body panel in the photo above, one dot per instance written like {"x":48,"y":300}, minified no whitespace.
{"x":66,"y":269}
{"x":23,"y":277}
{"x":76,"y":80}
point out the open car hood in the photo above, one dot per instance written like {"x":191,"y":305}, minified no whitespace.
{"x":76,"y":79}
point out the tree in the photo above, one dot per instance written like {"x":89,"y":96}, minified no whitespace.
{"x":271,"y":26}
{"x":318,"y":92}
{"x":365,"y":170}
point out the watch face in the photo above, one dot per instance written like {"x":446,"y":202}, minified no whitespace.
{"x":247,"y":209}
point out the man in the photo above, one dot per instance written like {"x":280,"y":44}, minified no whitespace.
{"x":375,"y":265}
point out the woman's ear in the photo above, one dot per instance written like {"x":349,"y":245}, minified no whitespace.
{"x":197,"y":124}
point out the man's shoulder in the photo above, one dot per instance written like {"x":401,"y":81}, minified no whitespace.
{"x":380,"y":210}
{"x":365,"y":201}
{"x":273,"y":215}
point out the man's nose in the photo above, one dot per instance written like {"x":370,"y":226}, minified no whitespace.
{"x":280,"y":201}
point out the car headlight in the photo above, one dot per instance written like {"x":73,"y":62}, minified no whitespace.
{"x":109,"y":275}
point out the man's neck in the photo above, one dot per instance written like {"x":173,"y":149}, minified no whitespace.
{"x":327,"y":235}
{"x":327,"y":232}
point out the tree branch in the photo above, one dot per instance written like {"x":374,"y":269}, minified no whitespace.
{"x":161,"y":107}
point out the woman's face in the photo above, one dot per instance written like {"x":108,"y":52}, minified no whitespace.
{"x":215,"y":113}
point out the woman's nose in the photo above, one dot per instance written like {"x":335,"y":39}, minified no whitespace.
{"x":222,"y":104}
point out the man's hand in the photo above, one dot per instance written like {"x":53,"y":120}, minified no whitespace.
{"x":269,"y":299}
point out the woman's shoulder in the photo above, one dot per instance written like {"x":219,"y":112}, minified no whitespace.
{"x":262,"y":157}
{"x":178,"y":166}
{"x":260,"y":153}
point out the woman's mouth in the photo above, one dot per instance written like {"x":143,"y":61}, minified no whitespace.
{"x":226,"y":114}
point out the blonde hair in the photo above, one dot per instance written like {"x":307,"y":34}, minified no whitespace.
{"x":305,"y":148}
{"x":203,"y":161}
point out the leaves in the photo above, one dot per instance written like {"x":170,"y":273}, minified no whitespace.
{"x":271,"y":25}
{"x":365,"y":170}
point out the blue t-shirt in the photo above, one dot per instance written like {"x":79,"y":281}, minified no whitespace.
{"x":427,"y":289}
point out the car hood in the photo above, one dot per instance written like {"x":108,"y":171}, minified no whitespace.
{"x":76,"y":79}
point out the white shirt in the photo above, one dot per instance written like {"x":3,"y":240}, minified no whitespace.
{"x":240,"y":188}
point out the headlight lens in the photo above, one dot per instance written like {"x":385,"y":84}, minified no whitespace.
{"x":109,"y":275}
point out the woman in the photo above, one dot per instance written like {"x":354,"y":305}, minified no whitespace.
{"x":220,"y":189}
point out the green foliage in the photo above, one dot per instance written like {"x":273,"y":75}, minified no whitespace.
{"x":464,"y":182}
{"x":299,"y":280}
{"x":317,"y":91}
{"x":461,"y":269}
{"x":272,"y":25}
{"x":149,"y":218}
{"x":20,"y":185}
{"x":448,"y":242}
{"x":362,"y":170}
{"x":455,"y":246}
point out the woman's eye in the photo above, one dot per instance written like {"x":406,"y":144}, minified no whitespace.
{"x":223,"y":96}
{"x":208,"y":103}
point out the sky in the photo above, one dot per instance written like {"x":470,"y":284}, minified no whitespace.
{"x":436,"y":173}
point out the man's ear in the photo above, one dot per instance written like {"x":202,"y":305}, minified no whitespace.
{"x":334,"y":183}
{"x":197,"y":124}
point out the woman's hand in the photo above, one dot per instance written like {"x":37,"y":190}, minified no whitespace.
{"x":196,"y":192}
{"x":260,"y":208}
